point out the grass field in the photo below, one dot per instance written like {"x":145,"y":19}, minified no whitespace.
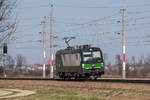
{"x":55,"y":94}
{"x":65,"y":90}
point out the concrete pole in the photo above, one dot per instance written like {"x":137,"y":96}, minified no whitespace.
{"x":124,"y":41}
{"x":51,"y":42}
{"x":44,"y":47}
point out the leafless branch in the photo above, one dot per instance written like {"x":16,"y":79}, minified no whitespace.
{"x":6,"y":27}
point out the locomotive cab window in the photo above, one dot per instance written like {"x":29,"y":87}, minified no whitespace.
{"x":96,"y":54}
{"x":87,"y":56}
{"x":91,"y":55}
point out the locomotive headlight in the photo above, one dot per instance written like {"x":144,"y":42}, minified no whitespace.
{"x":97,"y":70}
{"x":82,"y":65}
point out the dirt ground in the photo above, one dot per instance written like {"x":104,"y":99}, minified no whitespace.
{"x":108,"y":91}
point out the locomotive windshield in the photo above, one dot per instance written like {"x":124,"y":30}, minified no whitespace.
{"x":91,"y":55}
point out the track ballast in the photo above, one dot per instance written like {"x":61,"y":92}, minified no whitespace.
{"x":113,"y":80}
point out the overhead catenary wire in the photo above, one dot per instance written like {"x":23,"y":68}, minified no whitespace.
{"x":88,"y":23}
{"x":78,"y":6}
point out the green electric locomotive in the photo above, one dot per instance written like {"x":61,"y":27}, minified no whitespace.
{"x":79,"y":62}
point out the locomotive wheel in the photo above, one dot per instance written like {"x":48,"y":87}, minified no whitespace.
{"x":95,"y":77}
{"x":86,"y":78}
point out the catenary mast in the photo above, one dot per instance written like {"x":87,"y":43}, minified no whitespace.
{"x":124,"y":41}
{"x":51,"y":42}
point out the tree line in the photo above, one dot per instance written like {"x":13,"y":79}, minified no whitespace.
{"x":139,"y":68}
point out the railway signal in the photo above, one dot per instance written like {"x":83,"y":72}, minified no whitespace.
{"x":5,"y":48}
{"x":4,"y":57}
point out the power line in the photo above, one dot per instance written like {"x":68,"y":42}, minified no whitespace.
{"x":138,"y":28}
{"x":69,"y":6}
{"x":31,"y":18}
{"x":138,"y":5}
{"x":30,"y":41}
{"x":138,"y":18}
{"x":99,"y":19}
{"x":139,"y":12}
{"x":28,"y":29}
{"x":138,"y":24}
{"x":33,"y":7}
{"x":80,"y":26}
{"x":88,"y":7}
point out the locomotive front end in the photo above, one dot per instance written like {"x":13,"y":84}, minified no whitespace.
{"x":92,"y":64}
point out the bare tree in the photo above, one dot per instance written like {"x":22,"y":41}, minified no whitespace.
{"x":105,"y":58}
{"x":10,"y":61}
{"x":133,"y":61}
{"x":141,"y":61}
{"x":20,"y":60}
{"x":6,"y":26}
{"x":147,"y":60}
{"x":118,"y":60}
{"x":119,"y":64}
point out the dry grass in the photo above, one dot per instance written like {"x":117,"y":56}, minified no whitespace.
{"x":104,"y":91}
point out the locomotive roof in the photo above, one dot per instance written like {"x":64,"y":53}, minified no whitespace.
{"x":76,"y":50}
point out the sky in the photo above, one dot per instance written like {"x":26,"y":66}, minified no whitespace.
{"x":94,"y":22}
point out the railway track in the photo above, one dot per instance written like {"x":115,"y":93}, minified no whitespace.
{"x":114,"y":80}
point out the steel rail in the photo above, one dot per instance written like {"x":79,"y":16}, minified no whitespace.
{"x":111,"y":80}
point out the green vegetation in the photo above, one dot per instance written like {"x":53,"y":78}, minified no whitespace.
{"x":57,"y":94}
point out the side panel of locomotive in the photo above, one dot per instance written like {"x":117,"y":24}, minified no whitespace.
{"x":68,"y":63}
